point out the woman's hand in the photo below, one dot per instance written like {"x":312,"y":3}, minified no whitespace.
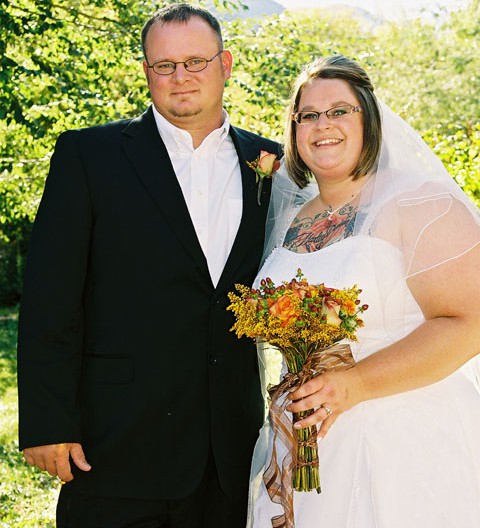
{"x":330,"y":394}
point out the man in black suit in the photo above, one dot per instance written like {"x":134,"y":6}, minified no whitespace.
{"x":132,"y":390}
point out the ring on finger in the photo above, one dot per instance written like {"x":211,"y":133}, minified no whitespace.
{"x":327,"y":410}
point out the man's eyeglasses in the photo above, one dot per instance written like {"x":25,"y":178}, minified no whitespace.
{"x":309,"y":116}
{"x":196,"y":64}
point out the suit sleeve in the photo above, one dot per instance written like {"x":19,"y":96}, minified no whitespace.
{"x":51,"y":316}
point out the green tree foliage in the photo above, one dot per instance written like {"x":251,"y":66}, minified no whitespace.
{"x":62,"y":65}
{"x":269,"y":56}
{"x":427,"y":73}
{"x":75,"y":63}
{"x":460,"y":152}
{"x":60,"y":68}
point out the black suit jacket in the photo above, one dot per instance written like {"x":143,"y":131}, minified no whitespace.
{"x":124,"y":343}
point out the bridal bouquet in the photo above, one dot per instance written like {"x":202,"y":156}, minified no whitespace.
{"x":305,"y":322}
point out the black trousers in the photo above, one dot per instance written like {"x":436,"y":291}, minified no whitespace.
{"x":207,"y":507}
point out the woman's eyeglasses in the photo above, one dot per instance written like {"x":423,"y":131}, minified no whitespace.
{"x":310,"y":116}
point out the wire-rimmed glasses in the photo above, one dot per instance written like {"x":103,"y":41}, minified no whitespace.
{"x":310,"y":116}
{"x":196,"y":64}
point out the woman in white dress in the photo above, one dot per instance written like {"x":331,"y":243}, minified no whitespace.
{"x":399,"y":433}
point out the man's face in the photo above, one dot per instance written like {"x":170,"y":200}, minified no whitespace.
{"x":187,"y":99}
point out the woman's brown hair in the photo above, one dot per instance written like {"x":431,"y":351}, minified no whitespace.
{"x":335,"y":67}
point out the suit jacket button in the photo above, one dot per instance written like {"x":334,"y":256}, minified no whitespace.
{"x":212,"y":360}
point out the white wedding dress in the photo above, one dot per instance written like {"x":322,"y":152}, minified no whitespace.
{"x":407,"y":461}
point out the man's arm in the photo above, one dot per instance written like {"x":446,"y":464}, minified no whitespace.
{"x":51,"y":317}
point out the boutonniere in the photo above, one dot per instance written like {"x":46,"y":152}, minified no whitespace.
{"x":264,"y":166}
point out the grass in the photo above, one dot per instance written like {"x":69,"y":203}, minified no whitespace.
{"x":27,"y":496}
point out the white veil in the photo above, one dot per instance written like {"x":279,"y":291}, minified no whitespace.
{"x":411,"y":201}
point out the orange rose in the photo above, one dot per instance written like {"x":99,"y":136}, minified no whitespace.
{"x":267,"y":163}
{"x":285,"y":309}
{"x":264,"y":166}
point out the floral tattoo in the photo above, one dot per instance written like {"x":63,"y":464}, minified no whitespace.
{"x":308,"y":234}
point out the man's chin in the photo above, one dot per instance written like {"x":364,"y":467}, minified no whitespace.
{"x":186,"y":112}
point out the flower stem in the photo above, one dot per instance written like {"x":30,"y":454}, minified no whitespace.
{"x":259,"y":190}
{"x":306,"y":474}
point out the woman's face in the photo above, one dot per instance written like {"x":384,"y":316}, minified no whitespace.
{"x":330,"y":148}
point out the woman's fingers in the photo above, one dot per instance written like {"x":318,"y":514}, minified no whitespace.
{"x":326,"y":424}
{"x":323,"y":417}
{"x":311,"y":387}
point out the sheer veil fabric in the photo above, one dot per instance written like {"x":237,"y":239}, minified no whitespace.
{"x":411,"y":201}
{"x":410,"y":206}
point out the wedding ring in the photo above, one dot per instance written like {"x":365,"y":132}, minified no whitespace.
{"x":328,"y":410}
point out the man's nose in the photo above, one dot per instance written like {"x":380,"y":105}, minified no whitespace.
{"x":181,"y":73}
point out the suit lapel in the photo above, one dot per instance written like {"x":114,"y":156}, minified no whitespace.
{"x":253,"y":215}
{"x":149,"y":157}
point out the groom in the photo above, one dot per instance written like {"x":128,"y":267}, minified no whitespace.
{"x":132,"y":390}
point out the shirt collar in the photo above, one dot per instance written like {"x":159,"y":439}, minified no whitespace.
{"x":176,"y":139}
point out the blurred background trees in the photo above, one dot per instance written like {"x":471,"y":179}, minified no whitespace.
{"x":75,"y":63}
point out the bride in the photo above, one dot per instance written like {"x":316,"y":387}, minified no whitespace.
{"x":399,"y":433}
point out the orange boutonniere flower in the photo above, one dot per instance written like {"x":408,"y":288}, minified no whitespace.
{"x":264,"y":166}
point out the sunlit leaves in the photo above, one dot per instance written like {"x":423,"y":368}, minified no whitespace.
{"x":78,"y":63}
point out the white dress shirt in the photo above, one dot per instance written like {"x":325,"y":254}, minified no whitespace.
{"x":211,"y":182}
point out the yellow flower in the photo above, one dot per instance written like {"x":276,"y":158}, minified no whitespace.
{"x":296,"y":313}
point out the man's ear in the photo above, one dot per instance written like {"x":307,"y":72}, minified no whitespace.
{"x":145,"y":71}
{"x":227,"y":61}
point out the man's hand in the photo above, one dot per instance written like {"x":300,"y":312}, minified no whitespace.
{"x":55,"y":459}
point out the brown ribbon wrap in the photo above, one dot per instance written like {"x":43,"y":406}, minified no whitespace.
{"x":278,"y":480}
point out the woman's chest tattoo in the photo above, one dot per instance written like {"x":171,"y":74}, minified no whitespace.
{"x":308,"y":234}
